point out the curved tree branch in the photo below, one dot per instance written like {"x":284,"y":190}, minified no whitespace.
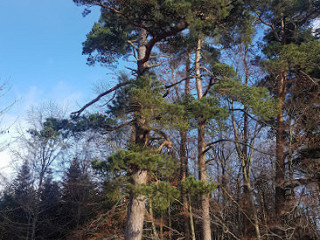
{"x":77,"y":113}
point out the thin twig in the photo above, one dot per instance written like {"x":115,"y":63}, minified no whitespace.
{"x":209,"y":146}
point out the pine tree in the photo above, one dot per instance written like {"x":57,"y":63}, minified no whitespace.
{"x":289,"y":27}
{"x":22,"y":211}
{"x":75,"y":197}
{"x":49,"y":224}
{"x":135,"y":21}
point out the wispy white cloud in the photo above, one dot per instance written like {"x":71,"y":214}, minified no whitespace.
{"x":61,"y":94}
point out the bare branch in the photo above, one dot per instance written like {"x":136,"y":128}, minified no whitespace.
{"x":158,"y":56}
{"x":131,"y":69}
{"x":112,"y":128}
{"x":314,"y":80}
{"x":207,"y":70}
{"x":176,"y":83}
{"x":167,"y":141}
{"x":249,"y":115}
{"x":208,"y":88}
{"x":132,"y":45}
{"x":154,"y":65}
{"x":209,"y":146}
{"x":77,"y":113}
{"x":269,"y":25}
{"x":134,"y":49}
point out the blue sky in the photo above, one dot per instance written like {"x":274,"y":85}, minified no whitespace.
{"x":40,"y":48}
{"x":41,"y":60}
{"x":40,"y":53}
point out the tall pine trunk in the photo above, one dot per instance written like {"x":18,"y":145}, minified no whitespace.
{"x":136,"y":208}
{"x":205,"y":203}
{"x":280,"y":200}
{"x":280,"y":156}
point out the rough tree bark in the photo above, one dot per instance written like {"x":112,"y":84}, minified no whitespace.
{"x":205,"y":204}
{"x":280,"y":156}
{"x":280,"y":200}
{"x":136,"y":208}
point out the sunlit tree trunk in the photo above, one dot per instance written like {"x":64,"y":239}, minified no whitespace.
{"x":136,"y":208}
{"x":205,"y":204}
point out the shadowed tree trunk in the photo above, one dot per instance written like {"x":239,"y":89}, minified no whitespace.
{"x":184,"y":158}
{"x":250,"y":220}
{"x":280,"y":156}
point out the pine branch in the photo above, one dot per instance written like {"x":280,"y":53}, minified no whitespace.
{"x":116,"y":11}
